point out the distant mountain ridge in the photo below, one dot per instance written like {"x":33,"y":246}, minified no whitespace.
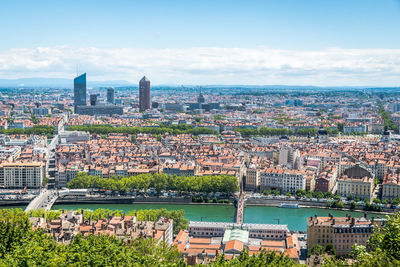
{"x":57,"y":82}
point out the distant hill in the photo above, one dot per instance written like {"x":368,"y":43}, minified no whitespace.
{"x":56,"y":82}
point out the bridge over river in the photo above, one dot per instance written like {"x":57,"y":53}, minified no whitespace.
{"x":44,"y":200}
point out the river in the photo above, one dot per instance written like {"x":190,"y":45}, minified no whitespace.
{"x":296,"y":219}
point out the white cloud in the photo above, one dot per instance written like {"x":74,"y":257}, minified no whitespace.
{"x":209,"y":65}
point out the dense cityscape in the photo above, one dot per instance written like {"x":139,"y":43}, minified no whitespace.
{"x":335,"y":149}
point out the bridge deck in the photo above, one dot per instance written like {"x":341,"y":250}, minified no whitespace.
{"x":44,"y":200}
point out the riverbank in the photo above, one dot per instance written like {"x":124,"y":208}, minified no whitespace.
{"x":296,"y":219}
{"x":193,"y":211}
{"x":310,"y":204}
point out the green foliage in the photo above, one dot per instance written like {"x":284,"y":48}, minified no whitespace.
{"x":204,"y":184}
{"x":383,"y":247}
{"x":37,"y":130}
{"x":316,"y":250}
{"x":172,"y":129}
{"x":306,"y":131}
{"x":372,"y":207}
{"x":263,"y":131}
{"x":14,"y":229}
{"x":387,"y":239}
{"x":271,"y":259}
{"x":353,"y":205}
{"x":386,"y":118}
{"x":218,"y":117}
{"x":45,"y":181}
{"x":335,"y":204}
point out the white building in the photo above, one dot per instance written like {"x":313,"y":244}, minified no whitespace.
{"x":20,"y":175}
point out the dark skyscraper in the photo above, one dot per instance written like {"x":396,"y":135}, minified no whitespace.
{"x":80,"y":91}
{"x":93,"y":100}
{"x":200,"y":98}
{"x":111,"y":95}
{"x":144,"y":94}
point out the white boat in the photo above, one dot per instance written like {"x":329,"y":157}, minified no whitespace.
{"x":289,"y":205}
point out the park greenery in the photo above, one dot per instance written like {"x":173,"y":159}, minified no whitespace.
{"x":263,"y":131}
{"x":201,"y":184}
{"x":22,"y":246}
{"x":389,"y":124}
{"x":159,"y":130}
{"x":37,"y":130}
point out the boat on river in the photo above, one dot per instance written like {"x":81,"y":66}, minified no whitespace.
{"x":289,"y":205}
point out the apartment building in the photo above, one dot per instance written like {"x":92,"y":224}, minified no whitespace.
{"x":252,"y":178}
{"x":284,"y":180}
{"x":341,"y":232}
{"x":21,"y":174}
{"x":357,"y":181}
{"x":391,"y":187}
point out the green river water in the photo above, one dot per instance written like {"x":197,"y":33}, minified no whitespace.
{"x":294,"y":218}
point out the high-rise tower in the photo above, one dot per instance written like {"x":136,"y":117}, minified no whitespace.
{"x":144,"y":94}
{"x":111,"y":95}
{"x":80,"y":91}
{"x":200,"y":98}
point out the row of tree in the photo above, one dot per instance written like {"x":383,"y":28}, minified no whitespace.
{"x":106,"y":129}
{"x":202,"y":184}
{"x":47,"y":130}
{"x":386,"y":118}
{"x":21,"y":246}
{"x":263,"y":131}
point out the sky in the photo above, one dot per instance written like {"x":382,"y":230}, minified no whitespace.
{"x":249,"y":42}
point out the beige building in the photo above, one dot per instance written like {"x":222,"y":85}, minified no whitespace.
{"x":341,"y":232}
{"x":252,"y":178}
{"x":356,"y":181}
{"x":391,"y":187}
{"x":20,"y":175}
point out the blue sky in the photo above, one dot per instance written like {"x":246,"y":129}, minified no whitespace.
{"x":40,"y":34}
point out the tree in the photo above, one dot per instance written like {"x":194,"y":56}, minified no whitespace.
{"x":270,"y":259}
{"x":330,"y":249}
{"x":376,"y":200}
{"x":316,"y":250}
{"x":353,"y":205}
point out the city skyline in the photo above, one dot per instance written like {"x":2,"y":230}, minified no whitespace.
{"x":336,"y":43}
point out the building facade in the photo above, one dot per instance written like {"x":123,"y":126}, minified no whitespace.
{"x":144,"y":94}
{"x":80,"y":91}
{"x":111,"y":95}
{"x":341,"y":232}
{"x":20,"y":175}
